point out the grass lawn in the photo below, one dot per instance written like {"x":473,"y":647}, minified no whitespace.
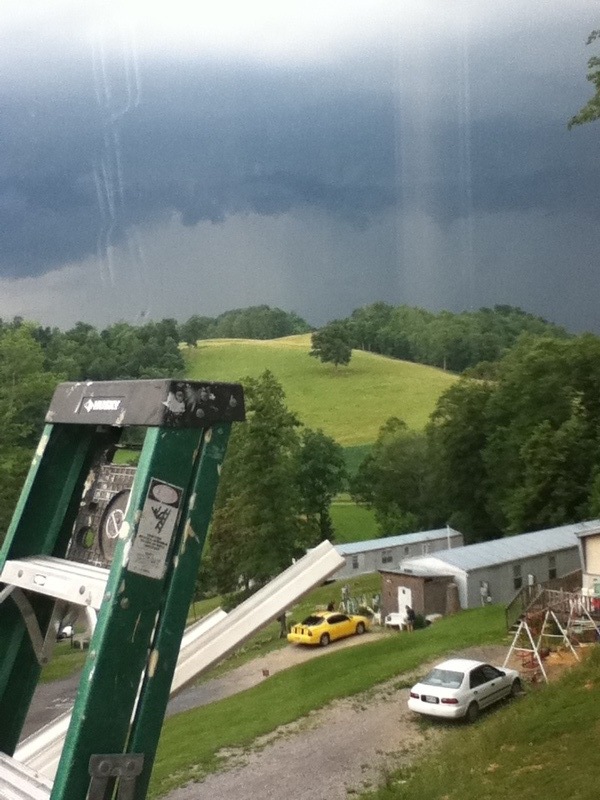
{"x":352,"y":523}
{"x":349,"y":403}
{"x":543,"y":746}
{"x":190,"y":741}
{"x":65,"y":661}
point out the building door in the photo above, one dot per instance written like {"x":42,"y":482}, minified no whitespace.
{"x":404,"y":598}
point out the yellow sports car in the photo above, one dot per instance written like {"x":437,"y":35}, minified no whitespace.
{"x":323,"y":627}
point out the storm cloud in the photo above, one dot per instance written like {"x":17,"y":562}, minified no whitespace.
{"x":452,"y":131}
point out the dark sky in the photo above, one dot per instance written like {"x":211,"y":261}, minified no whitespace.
{"x":160,"y":159}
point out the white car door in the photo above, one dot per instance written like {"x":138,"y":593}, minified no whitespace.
{"x":487,"y":684}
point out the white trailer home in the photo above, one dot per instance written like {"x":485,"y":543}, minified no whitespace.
{"x":495,"y":571}
{"x":375,"y":554}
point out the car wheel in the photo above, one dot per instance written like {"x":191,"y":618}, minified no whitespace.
{"x":472,"y":712}
{"x":360,"y":628}
{"x":324,"y":640}
{"x":516,"y":688}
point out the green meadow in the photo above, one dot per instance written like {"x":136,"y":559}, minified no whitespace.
{"x":352,"y":523}
{"x":348,"y":403}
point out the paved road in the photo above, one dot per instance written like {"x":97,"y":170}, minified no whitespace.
{"x":50,"y":701}
{"x":53,"y":699}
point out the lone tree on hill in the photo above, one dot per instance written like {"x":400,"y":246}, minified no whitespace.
{"x":332,"y":344}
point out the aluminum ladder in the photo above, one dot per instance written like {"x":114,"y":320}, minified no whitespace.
{"x":141,"y":598}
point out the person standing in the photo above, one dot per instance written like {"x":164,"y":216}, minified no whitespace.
{"x":410,"y":618}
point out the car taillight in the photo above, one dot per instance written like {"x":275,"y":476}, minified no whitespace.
{"x":415,"y":695}
{"x":450,"y":701}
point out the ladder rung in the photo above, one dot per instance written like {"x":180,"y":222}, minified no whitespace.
{"x":18,"y":782}
{"x":82,"y":584}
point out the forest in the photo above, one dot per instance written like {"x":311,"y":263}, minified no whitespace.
{"x":512,"y":446}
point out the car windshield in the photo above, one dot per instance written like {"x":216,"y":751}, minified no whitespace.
{"x":312,"y":620}
{"x":447,"y":678}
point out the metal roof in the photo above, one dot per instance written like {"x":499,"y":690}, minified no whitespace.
{"x":505,"y":550}
{"x":351,"y":548}
{"x":590,"y":531}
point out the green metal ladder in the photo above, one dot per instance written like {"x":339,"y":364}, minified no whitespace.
{"x":142,"y":600}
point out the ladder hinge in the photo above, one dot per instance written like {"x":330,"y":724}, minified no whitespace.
{"x":105,"y":769}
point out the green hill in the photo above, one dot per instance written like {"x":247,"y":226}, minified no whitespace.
{"x":348,"y":403}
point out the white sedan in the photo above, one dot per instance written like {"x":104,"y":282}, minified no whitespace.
{"x":461,"y":688}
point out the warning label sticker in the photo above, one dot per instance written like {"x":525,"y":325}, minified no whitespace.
{"x":150,"y":547}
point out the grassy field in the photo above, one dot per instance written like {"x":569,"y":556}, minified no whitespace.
{"x":349,"y":403}
{"x":545,"y":745}
{"x":352,"y":523}
{"x":191,"y":741}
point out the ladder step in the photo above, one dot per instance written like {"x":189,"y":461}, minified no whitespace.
{"x":81,"y":584}
{"x":18,"y":782}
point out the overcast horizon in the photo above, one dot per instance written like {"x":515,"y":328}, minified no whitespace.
{"x":163,"y":160}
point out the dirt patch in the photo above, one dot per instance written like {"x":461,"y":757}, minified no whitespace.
{"x":555,"y":663}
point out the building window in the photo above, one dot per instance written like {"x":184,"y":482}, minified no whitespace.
{"x":387,"y":557}
{"x":354,"y":562}
{"x":517,"y":577}
{"x":551,"y":567}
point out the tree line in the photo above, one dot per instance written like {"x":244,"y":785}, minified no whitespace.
{"x":451,"y":341}
{"x":513,"y":453}
{"x":255,"y":322}
{"x":454,"y":342}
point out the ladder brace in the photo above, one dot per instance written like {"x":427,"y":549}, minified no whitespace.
{"x":42,"y":645}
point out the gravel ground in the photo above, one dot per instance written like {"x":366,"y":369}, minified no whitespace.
{"x":336,"y":751}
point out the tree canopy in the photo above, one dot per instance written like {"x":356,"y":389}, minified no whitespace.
{"x":591,"y":110}
{"x":321,"y":474}
{"x":255,"y":322}
{"x":25,"y":391}
{"x":451,"y":341}
{"x":517,"y":453}
{"x":331,"y":344}
{"x":275,"y":490}
{"x":393,"y":479}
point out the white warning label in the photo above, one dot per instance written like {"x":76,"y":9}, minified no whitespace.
{"x":150,"y":547}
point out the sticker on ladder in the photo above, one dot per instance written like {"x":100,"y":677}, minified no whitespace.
{"x":150,"y":547}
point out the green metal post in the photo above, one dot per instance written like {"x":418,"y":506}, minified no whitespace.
{"x":119,"y":647}
{"x":154,"y":696}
